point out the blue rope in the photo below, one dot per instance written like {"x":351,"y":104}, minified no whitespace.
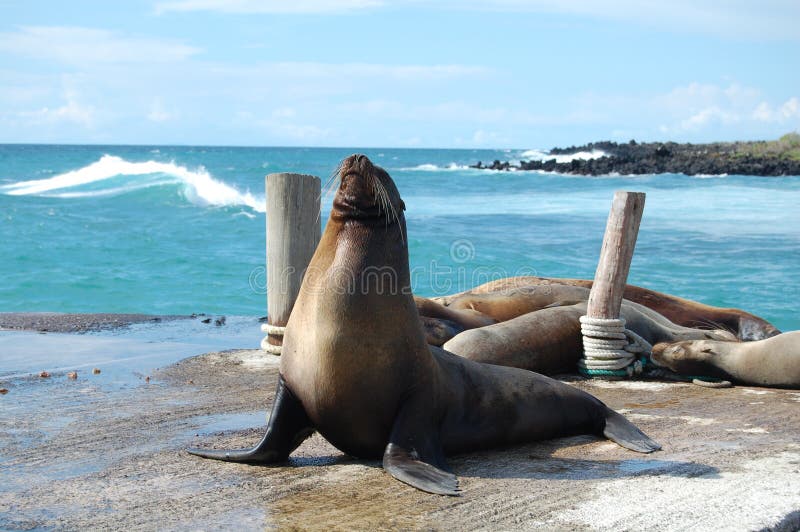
{"x":609,"y":372}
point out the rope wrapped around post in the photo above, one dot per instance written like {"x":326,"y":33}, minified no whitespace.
{"x":611,"y":349}
{"x":273,"y":330}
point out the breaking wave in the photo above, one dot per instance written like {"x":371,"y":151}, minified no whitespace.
{"x":112,"y":176}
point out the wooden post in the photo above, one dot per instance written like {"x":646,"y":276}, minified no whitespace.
{"x":605,"y":298}
{"x":293,"y":232}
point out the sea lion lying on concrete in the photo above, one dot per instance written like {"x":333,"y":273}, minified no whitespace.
{"x":549,"y":340}
{"x":356,"y":367}
{"x":771,"y":362}
{"x":510,"y":303}
{"x":680,"y":311}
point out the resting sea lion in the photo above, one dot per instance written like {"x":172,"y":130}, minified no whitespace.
{"x":549,"y":340}
{"x":680,"y":311}
{"x":355,"y":365}
{"x":442,"y":323}
{"x":771,"y":362}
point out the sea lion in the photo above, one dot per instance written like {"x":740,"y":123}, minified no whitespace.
{"x":356,"y":367}
{"x":549,"y":341}
{"x":442,"y":323}
{"x":438,"y":331}
{"x":508,"y":304}
{"x":771,"y":362}
{"x":472,"y":311}
{"x":680,"y":311}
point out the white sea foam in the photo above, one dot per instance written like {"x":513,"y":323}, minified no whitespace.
{"x":199,"y":186}
{"x":437,"y":168}
{"x":561,"y":158}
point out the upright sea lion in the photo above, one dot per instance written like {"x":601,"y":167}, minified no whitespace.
{"x":681,"y":311}
{"x":549,"y":340}
{"x":356,"y":367}
{"x":771,"y":362}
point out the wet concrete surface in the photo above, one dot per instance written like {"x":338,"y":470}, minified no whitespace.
{"x":75,"y":454}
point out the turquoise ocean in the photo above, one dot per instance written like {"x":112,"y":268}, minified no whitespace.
{"x":179,"y":230}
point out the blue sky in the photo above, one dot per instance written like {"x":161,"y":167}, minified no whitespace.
{"x":416,"y":73}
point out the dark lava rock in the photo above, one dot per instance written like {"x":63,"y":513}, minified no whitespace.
{"x":738,"y":158}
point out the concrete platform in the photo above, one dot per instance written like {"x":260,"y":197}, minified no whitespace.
{"x":74,"y":455}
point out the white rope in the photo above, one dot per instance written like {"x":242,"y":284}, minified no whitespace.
{"x":274,"y":330}
{"x":609,"y":346}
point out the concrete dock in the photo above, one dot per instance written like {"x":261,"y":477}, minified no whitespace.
{"x":74,"y":455}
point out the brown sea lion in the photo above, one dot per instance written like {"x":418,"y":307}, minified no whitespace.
{"x":441,"y":323}
{"x":438,"y":331}
{"x":356,"y":367}
{"x":771,"y":362}
{"x":680,"y":311}
{"x":549,"y":340}
{"x":510,"y":303}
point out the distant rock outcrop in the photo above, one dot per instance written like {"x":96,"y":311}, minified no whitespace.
{"x":761,"y":158}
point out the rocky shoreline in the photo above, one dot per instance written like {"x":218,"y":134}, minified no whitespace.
{"x":60,"y":322}
{"x":760,"y":158}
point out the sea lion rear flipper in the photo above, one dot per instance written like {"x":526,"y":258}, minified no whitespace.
{"x":415,"y":456}
{"x":623,"y":432}
{"x":288,"y":427}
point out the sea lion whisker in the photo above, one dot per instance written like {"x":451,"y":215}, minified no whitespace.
{"x":388,"y":206}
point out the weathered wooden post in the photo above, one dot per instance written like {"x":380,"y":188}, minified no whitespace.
{"x":608,"y":346}
{"x":293,"y":232}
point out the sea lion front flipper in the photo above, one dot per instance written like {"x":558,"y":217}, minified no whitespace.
{"x":415,"y":456}
{"x":288,"y":427}
{"x":621,"y":431}
{"x":406,"y":466}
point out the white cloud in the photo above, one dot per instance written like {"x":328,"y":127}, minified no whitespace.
{"x":482,"y":138}
{"x":697,"y":106}
{"x":282,"y":123}
{"x":266,"y":6}
{"x":696,"y":110}
{"x":448,"y":111}
{"x":72,"y":112}
{"x":767,"y":19}
{"x":790,"y":109}
{"x":709,"y":116}
{"x":79,"y":46}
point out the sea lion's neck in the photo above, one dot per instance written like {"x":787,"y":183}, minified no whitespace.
{"x":370,"y":260}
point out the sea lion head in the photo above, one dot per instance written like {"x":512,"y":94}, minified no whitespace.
{"x":694,"y":357}
{"x":366,"y":193}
